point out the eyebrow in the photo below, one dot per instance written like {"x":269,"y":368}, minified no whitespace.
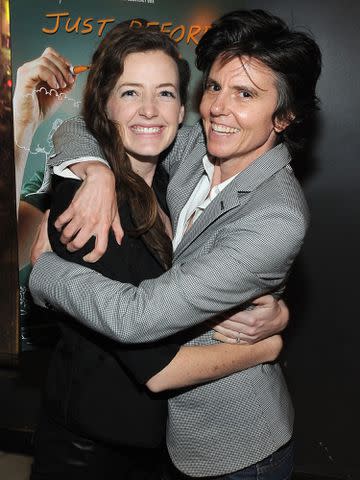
{"x":161,"y":85}
{"x":254,"y":91}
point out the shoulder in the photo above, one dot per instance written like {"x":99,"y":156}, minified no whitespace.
{"x":73,"y":140}
{"x":186,"y":139}
{"x":72,"y":124}
{"x":290,"y":190}
{"x":189,"y":141}
{"x":188,"y":136}
{"x":73,"y":129}
{"x":280,"y":203}
{"x":284,"y":191}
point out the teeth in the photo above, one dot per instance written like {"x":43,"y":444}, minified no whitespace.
{"x":146,"y":129}
{"x":224,"y":129}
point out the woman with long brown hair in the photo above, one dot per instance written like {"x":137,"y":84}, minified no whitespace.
{"x":101,"y":417}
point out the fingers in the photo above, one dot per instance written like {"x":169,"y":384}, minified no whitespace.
{"x":117,"y":229}
{"x":61,"y":64}
{"x":222,"y":338}
{"x":92,"y":212}
{"x":78,"y":231}
{"x":50,"y":68}
{"x":252,"y":325}
{"x":72,"y":229}
{"x":237,"y":327}
{"x":32,"y":101}
{"x":283,"y":316}
{"x":76,"y":237}
{"x":234,"y":336}
{"x":265,"y":301}
{"x":249,"y":318}
{"x":64,"y":218}
{"x":100,"y":247}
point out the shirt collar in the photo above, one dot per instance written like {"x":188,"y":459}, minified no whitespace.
{"x":209,"y":171}
{"x":257,"y":172}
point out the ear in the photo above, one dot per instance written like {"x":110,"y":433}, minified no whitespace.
{"x":280,"y":125}
{"x":181,"y":114}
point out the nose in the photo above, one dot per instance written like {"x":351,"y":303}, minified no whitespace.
{"x":148,"y":108}
{"x":219,"y":105}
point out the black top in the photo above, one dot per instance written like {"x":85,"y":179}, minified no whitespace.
{"x":95,"y":385}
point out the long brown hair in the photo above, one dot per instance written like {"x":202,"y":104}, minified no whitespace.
{"x":106,"y":67}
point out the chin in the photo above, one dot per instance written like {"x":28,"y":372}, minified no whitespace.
{"x":217,"y":152}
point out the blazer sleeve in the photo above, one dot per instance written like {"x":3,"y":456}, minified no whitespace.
{"x":72,"y":142}
{"x":142,"y":361}
{"x":243,"y":263}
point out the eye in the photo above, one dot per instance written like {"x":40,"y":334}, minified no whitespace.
{"x":167,"y":94}
{"x":128,"y":93}
{"x":245,"y":94}
{"x":212,"y":87}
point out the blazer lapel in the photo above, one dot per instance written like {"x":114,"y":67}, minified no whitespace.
{"x":183,"y":183}
{"x":222,"y":203}
{"x":235,"y":194}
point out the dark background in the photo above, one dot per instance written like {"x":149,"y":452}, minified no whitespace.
{"x":321,"y":355}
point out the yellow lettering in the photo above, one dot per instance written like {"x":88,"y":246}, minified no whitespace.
{"x":74,"y":27}
{"x":152,"y":24}
{"x":180,"y":28}
{"x":57,"y":24}
{"x":192,"y":34}
{"x":164,"y":25}
{"x":135,"y":22}
{"x":87,"y":25}
{"x":103,"y":22}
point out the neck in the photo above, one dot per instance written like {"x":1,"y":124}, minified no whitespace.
{"x":144,"y":167}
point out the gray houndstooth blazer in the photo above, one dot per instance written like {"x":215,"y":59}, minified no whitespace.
{"x":242,"y":246}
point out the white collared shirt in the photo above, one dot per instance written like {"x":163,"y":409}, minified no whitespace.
{"x":201,"y":197}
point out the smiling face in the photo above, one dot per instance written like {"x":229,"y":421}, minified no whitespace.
{"x":145,"y":104}
{"x":236,"y":109}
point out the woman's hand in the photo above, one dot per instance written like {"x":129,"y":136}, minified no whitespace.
{"x":92,"y":212}
{"x":268,"y":317}
{"x":41,"y":85}
{"x":41,"y":243}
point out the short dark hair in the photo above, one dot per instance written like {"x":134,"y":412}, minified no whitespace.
{"x":293,"y":56}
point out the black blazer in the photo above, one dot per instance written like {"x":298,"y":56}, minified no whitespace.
{"x":95,"y":385}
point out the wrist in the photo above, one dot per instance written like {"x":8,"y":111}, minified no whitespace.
{"x":273,"y":347}
{"x":267,"y":350}
{"x":24,"y":130}
{"x":283,"y":315}
{"x":92,"y":170}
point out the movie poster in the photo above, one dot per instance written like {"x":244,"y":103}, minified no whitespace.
{"x":74,"y":29}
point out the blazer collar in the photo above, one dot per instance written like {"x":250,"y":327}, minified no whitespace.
{"x":185,"y":180}
{"x":235,"y":194}
{"x":262,"y":168}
